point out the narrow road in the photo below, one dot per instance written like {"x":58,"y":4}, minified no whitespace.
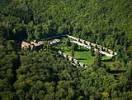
{"x":89,"y":45}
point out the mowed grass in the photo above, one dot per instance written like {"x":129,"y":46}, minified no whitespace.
{"x":84,"y":57}
{"x":106,"y":58}
{"x":82,"y":54}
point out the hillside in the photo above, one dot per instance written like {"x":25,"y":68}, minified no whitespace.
{"x":42,"y":74}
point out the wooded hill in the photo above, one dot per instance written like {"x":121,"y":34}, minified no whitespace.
{"x":43,"y":75}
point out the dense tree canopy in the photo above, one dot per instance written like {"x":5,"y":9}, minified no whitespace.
{"x":39,"y":75}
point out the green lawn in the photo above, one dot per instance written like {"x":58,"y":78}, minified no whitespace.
{"x":106,"y":58}
{"x":82,"y":55}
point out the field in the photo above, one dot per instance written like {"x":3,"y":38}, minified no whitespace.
{"x":81,"y":54}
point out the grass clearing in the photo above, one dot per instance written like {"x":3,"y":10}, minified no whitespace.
{"x":106,"y":58}
{"x":83,"y":55}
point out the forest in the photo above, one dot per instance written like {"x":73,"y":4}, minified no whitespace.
{"x":44,"y":75}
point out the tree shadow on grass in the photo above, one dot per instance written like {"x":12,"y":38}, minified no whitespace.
{"x":81,"y":59}
{"x":81,"y":50}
